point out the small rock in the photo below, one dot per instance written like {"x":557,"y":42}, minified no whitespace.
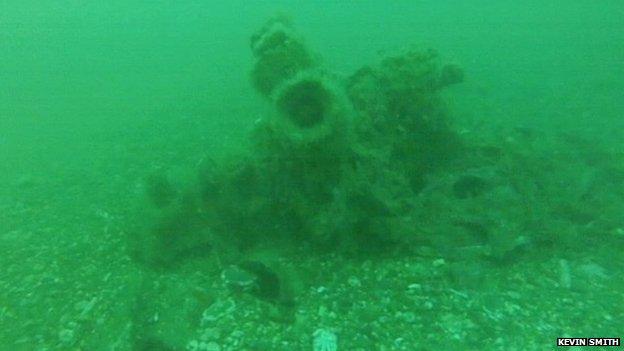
{"x":210,"y":334}
{"x":439,"y":262}
{"x":325,"y":340}
{"x":398,"y":342}
{"x":237,"y":278}
{"x":593,"y":271}
{"x":192,"y":345}
{"x":354,"y":282}
{"x":409,"y":317}
{"x":321,"y":290}
{"x":66,"y":336}
{"x":565,"y":275}
{"x":414,"y":287}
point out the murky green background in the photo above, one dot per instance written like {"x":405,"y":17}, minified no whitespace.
{"x":94,"y":96}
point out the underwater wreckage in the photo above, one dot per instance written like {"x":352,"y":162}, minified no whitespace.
{"x":347,"y":179}
{"x":331,"y":167}
{"x":334,"y":168}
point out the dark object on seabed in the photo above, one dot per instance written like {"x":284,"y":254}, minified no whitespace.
{"x":267,"y":283}
{"x":151,"y":345}
{"x":263,"y":282}
{"x":159,"y":190}
{"x":179,"y":234}
{"x":259,"y":280}
{"x":469,"y":186}
{"x":450,"y":74}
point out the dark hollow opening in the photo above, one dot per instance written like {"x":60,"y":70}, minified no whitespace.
{"x":305,"y":103}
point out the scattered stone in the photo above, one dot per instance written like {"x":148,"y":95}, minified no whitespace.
{"x":439,"y":262}
{"x":192,"y":345}
{"x":212,"y":346}
{"x":217,"y":310}
{"x":409,"y":317}
{"x":66,"y":336}
{"x":414,"y":287}
{"x":321,"y":290}
{"x":238,"y":278}
{"x":324,"y":340}
{"x":354,"y":282}
{"x":593,"y":271}
{"x":565,"y":275}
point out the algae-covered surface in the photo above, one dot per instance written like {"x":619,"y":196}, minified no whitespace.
{"x":302,"y":176}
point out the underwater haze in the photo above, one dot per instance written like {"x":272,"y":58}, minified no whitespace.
{"x":311,"y":175}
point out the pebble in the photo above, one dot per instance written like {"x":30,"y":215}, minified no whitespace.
{"x":409,"y":317}
{"x":212,"y":346}
{"x":66,"y":336}
{"x":354,"y":282}
{"x":398,"y":342}
{"x":210,"y":334}
{"x":414,"y":287}
{"x":439,"y":262}
{"x":195,"y":345}
{"x":565,"y":275}
{"x":321,"y":289}
{"x":192,"y":345}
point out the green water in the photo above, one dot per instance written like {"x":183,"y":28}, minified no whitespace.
{"x":175,"y":177}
